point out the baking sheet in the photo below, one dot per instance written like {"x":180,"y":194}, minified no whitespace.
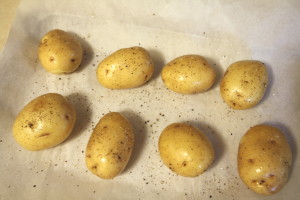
{"x":222,"y":31}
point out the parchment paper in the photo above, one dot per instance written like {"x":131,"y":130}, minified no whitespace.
{"x":222,"y":31}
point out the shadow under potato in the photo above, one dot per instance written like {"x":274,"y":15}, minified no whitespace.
{"x":140,"y":136}
{"x":88,"y":52}
{"x":83,"y":113}
{"x":215,"y":138}
{"x":219,"y":72}
{"x":158,"y":61}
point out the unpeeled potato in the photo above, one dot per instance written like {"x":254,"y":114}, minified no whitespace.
{"x":185,"y":149}
{"x":244,"y":84}
{"x":188,"y":74}
{"x":125,"y":68}
{"x":110,"y":145}
{"x":44,"y":122}
{"x":264,"y":159}
{"x":60,"y":52}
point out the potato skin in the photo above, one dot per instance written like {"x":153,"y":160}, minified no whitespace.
{"x":110,"y":145}
{"x":44,"y":122}
{"x":188,"y":74}
{"x":185,"y":149}
{"x":264,"y":159}
{"x":59,"y":52}
{"x":244,"y":84}
{"x":125,"y":68}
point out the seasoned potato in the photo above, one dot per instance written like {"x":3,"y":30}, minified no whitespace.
{"x":125,"y":68}
{"x":110,"y":146}
{"x":44,"y":122}
{"x":188,"y":74}
{"x":60,"y":52}
{"x":185,"y":149}
{"x":264,"y":159}
{"x":244,"y":84}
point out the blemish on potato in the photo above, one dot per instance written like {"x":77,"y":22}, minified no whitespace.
{"x":44,"y":134}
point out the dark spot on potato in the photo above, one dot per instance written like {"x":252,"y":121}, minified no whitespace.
{"x":44,"y":135}
{"x":251,"y":160}
{"x":72,"y":60}
{"x":88,"y":156}
{"x":239,"y":95}
{"x":51,"y":59}
{"x":121,"y":142}
{"x":106,"y":72}
{"x":67,"y":117}
{"x":30,"y":125}
{"x":145,"y":78}
{"x":170,"y":166}
{"x":262,"y":182}
{"x":94,"y":167}
{"x":273,"y":141}
{"x":271,"y":176}
{"x":184,"y":163}
{"x":104,"y":127}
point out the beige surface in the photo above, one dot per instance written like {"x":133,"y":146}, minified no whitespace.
{"x":222,"y":31}
{"x":7,"y":13}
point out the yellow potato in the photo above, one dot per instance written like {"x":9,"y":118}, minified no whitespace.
{"x":125,"y":68}
{"x":244,"y":84}
{"x":60,"y":52}
{"x":185,"y":149}
{"x":110,"y":145}
{"x":188,"y":74}
{"x":264,"y":159}
{"x":44,"y":122}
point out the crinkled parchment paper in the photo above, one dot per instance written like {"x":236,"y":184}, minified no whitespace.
{"x":222,"y":31}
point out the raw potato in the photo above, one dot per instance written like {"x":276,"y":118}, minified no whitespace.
{"x":110,"y":146}
{"x":44,"y":122}
{"x":60,"y":52}
{"x":185,"y":149}
{"x":244,"y":84}
{"x":264,"y":159}
{"x":125,"y":68}
{"x":188,"y":74}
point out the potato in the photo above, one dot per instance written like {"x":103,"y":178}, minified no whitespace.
{"x":110,"y":145}
{"x":44,"y":122}
{"x":244,"y":84}
{"x":125,"y":68}
{"x":60,"y":52}
{"x":264,"y":159}
{"x":188,"y":74}
{"x":185,"y":149}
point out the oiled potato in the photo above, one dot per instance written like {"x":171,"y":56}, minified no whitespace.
{"x":185,"y":149}
{"x":110,"y":146}
{"x":188,"y":74}
{"x":60,"y":52}
{"x":44,"y":122}
{"x":264,"y":159}
{"x":244,"y":84}
{"x":125,"y":68}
